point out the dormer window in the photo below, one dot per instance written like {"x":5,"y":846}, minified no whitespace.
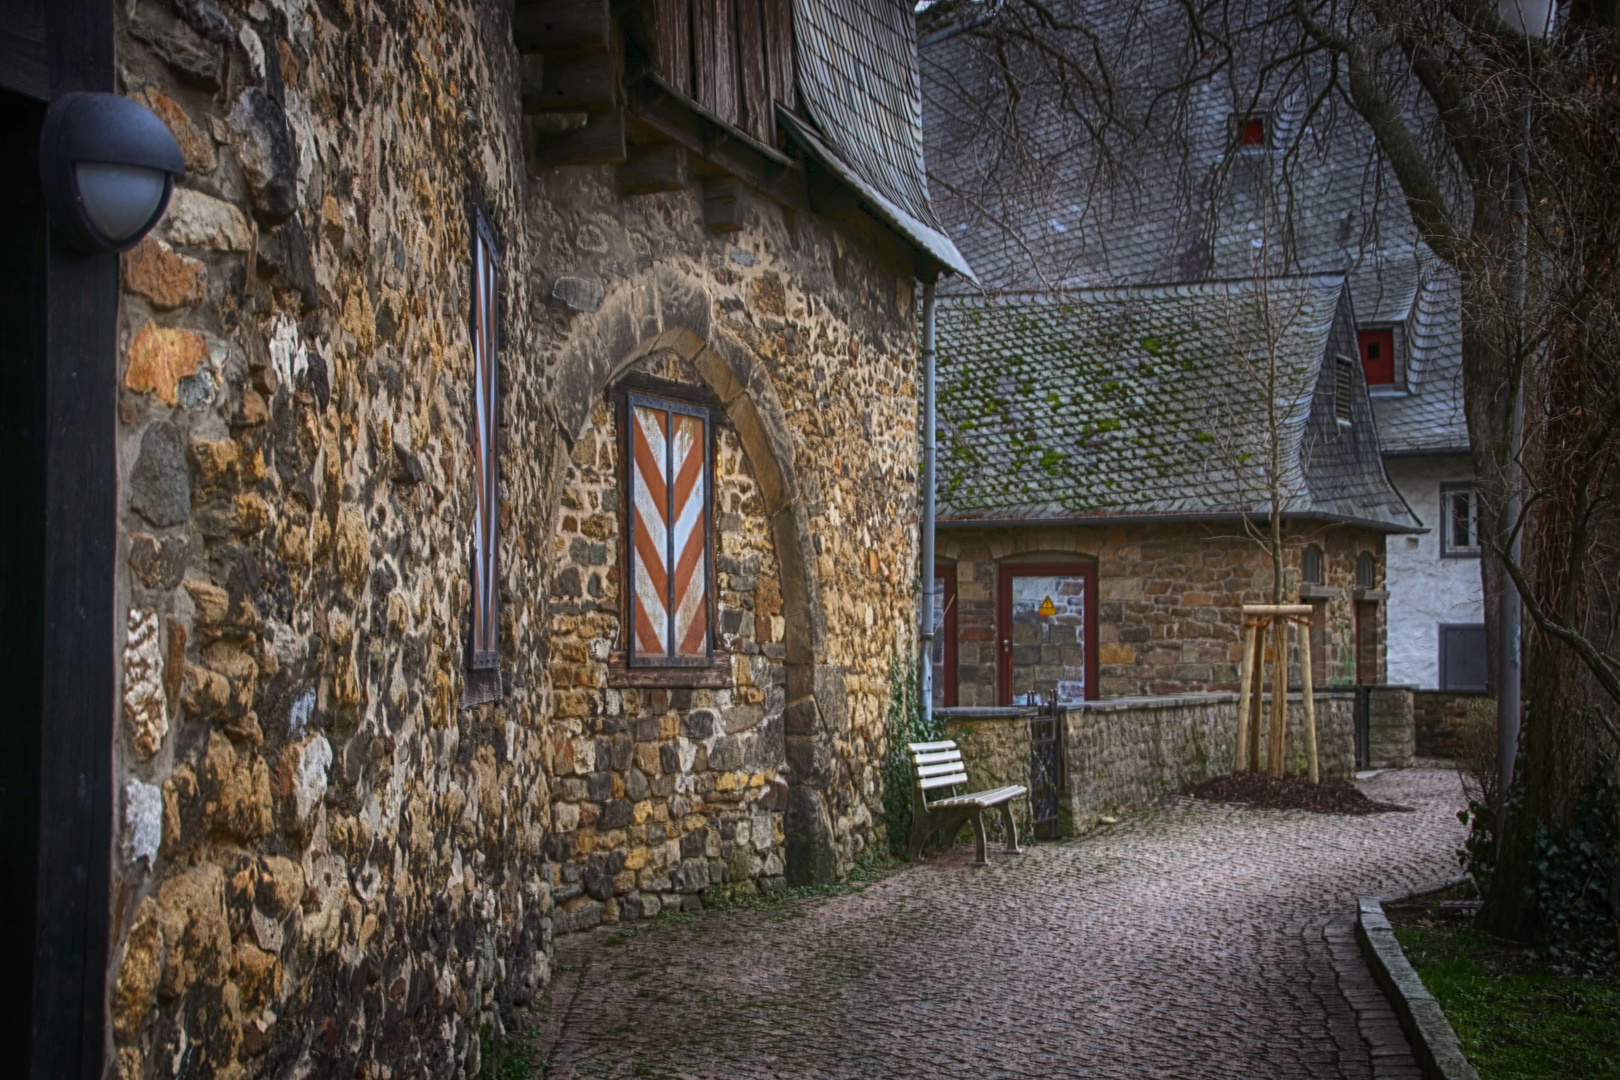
{"x":1252,"y":132}
{"x":1378,"y":355}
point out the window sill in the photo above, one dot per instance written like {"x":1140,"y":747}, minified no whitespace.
{"x":1373,"y":595}
{"x":716,"y":676}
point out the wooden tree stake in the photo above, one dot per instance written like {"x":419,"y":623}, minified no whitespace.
{"x":1307,"y":688}
{"x":1279,"y":697}
{"x":1240,"y":750}
{"x":1257,"y":668}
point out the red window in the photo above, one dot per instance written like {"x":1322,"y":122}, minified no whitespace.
{"x":1378,"y":356}
{"x":944,"y":654}
{"x":484,"y":660}
{"x":1254,"y":132}
{"x":668,"y":537}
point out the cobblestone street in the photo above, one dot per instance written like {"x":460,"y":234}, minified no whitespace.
{"x":1192,"y":940}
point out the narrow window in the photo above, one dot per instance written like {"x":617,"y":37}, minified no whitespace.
{"x":1364,"y":571}
{"x":1252,"y":132}
{"x":1343,"y":386}
{"x":1310,"y":565}
{"x":1378,"y":356}
{"x":484,"y":647}
{"x":671,"y":597}
{"x":1459,"y":521}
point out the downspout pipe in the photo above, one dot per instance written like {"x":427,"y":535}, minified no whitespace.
{"x":926,"y":615}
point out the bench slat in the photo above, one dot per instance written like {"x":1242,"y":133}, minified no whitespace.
{"x":925,"y":747}
{"x":941,"y":769}
{"x":937,"y":756}
{"x":930,"y":782}
{"x":993,"y":797}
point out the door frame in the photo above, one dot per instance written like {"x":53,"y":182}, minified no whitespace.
{"x":1005,"y":572}
{"x":64,"y":46}
{"x":945,"y":673}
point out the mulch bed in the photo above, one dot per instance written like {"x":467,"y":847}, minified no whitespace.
{"x":1290,"y":793}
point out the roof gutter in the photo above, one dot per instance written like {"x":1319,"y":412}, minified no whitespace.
{"x":1209,"y":518}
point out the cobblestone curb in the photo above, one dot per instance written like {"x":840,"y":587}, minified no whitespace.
{"x":1439,"y":1053}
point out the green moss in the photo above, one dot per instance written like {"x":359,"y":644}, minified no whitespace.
{"x":1515,"y":1026}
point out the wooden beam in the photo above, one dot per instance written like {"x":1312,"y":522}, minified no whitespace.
{"x":531,"y":77}
{"x":541,"y":24}
{"x":1278,"y":609}
{"x":677,"y":118}
{"x":581,"y":81}
{"x":599,"y":142}
{"x":650,"y":169}
{"x":722,"y":204}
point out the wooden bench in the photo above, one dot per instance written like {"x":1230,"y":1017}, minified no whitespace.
{"x":937,"y":765}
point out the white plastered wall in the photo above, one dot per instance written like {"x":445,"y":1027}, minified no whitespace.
{"x":1424,"y":589}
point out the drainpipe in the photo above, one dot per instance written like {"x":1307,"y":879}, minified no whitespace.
{"x":927,"y":616}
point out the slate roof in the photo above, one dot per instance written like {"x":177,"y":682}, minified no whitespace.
{"x":1137,"y":401}
{"x":856,"y":66}
{"x":1192,"y":205}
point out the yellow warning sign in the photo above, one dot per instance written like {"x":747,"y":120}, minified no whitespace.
{"x":1048,"y":609}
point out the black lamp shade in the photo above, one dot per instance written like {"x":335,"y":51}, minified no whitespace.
{"x":108,"y":167}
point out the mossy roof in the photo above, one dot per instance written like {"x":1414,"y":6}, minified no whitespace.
{"x":1149,"y":401}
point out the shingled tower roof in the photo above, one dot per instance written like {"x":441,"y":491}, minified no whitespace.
{"x":857,"y":73}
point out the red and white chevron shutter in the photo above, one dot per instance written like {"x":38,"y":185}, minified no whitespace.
{"x":486,"y":479}
{"x":669,"y":532}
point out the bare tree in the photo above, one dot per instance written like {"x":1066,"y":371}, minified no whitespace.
{"x":1500,"y":144}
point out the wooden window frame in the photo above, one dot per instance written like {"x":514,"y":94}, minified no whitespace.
{"x":1447,"y":549}
{"x":483,"y":321}
{"x":1306,"y":576}
{"x":945,"y":674}
{"x":1005,"y":572}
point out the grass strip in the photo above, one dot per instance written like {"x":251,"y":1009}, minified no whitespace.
{"x":1517,"y":1026}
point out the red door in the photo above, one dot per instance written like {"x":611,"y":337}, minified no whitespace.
{"x":1378,"y":356}
{"x":1046,"y":623}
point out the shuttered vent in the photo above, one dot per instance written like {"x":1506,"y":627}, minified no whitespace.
{"x":1343,"y":387}
{"x":669,"y":532}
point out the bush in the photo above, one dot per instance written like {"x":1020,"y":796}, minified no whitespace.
{"x":1477,"y":768}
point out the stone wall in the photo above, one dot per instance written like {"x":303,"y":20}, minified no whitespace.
{"x":1126,"y":753}
{"x":326,"y":864}
{"x":995,"y":745}
{"x":1168,"y":604}
{"x":1390,"y":734}
{"x":1438,"y":716}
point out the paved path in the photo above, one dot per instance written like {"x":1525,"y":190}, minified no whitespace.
{"x":1189,"y":941}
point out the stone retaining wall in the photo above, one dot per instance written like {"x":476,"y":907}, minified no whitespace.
{"x":1437,"y":717}
{"x":1128,"y":752}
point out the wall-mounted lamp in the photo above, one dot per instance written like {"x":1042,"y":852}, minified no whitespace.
{"x":108,"y":166}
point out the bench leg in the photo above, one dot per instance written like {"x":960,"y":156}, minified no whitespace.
{"x":1012,"y":829}
{"x":921,"y":826}
{"x":978,"y":839}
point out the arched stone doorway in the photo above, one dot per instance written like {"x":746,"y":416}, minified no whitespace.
{"x":664,"y":311}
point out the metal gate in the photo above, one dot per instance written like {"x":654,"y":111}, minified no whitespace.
{"x":1045,"y":768}
{"x":1363,"y":726}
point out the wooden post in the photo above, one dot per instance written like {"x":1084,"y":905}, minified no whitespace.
{"x":1240,"y":749}
{"x":1307,"y":688}
{"x":1279,"y":697}
{"x":1257,"y":669}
